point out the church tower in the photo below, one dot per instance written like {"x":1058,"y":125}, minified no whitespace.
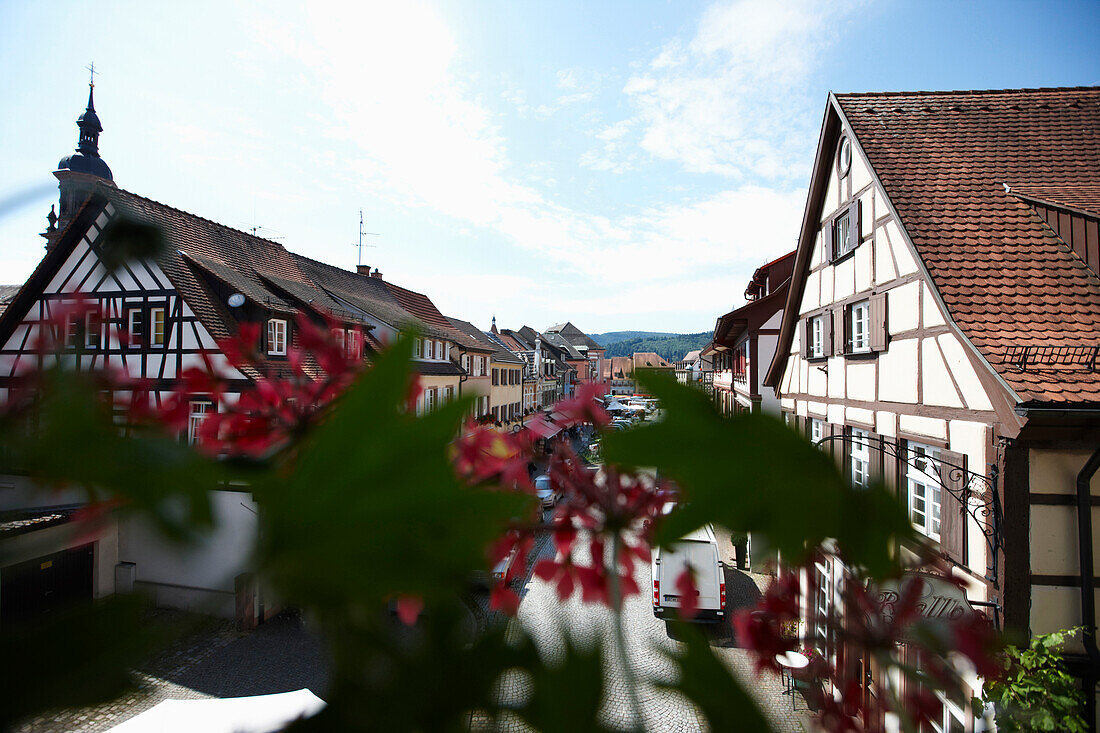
{"x":78,"y":174}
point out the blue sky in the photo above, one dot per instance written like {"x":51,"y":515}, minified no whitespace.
{"x":620,"y":165}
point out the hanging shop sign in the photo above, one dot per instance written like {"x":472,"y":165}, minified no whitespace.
{"x":939,"y":599}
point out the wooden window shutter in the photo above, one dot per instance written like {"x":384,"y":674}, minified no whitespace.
{"x":877,"y":308}
{"x":827,"y":334}
{"x":853,"y":224}
{"x":806,"y":331}
{"x":952,"y":508}
{"x":890,"y":470}
{"x":840,"y":331}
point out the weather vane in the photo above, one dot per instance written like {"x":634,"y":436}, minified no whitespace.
{"x":91,"y":70}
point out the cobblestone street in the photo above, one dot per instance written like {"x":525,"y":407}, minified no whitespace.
{"x":545,"y":618}
{"x":211,"y":660}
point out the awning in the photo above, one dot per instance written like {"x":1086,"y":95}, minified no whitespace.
{"x":558,"y":416}
{"x":257,"y":714}
{"x":540,"y":427}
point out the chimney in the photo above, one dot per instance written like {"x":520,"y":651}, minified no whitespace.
{"x":362,"y":269}
{"x":376,"y":274}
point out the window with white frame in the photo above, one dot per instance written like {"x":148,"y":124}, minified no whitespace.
{"x":817,"y":430}
{"x":859,"y":327}
{"x":416,"y":348}
{"x":816,"y":335}
{"x":861,"y":457}
{"x":72,"y":330}
{"x":923,"y":488}
{"x":158,"y":327}
{"x":843,"y":242}
{"x":354,"y":344}
{"x":276,"y":337}
{"x":135,"y":327}
{"x":466,"y":362}
{"x":197,"y":412}
{"x":823,"y":605}
{"x":91,"y":330}
{"x":338,"y":337}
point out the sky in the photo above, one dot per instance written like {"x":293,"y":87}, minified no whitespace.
{"x":624,"y":166}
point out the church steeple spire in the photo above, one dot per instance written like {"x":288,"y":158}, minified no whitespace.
{"x":78,"y":174}
{"x":90,"y":126}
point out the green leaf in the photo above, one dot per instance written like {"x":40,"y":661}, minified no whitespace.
{"x":75,"y":442}
{"x":752,"y":473}
{"x":706,"y":681}
{"x":77,"y":657}
{"x":433,"y":677}
{"x":372,"y":506}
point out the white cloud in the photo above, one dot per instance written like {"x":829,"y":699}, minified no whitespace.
{"x":392,"y":80}
{"x":733,"y":100}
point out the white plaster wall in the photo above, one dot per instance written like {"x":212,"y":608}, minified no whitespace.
{"x":938,"y":387}
{"x":897,"y":372}
{"x":863,"y":265}
{"x":919,"y":425}
{"x":836,"y":376}
{"x":903,"y":308}
{"x":886,"y":423}
{"x":811,"y":292}
{"x":859,"y":415}
{"x":835,"y":414}
{"x":816,"y":408}
{"x":965,"y":376}
{"x":861,"y":380}
{"x":201,"y":576}
{"x":932,"y":314}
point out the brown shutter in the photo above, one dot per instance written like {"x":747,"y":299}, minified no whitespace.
{"x":806,"y":339}
{"x":952,"y":506}
{"x":840,"y":331}
{"x":877,"y":307}
{"x":853,"y":224}
{"x":827,"y":333}
{"x":890,"y":469}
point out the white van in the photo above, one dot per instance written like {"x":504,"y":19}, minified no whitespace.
{"x":700,"y":549}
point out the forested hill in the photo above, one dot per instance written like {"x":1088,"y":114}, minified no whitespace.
{"x":672,"y":346}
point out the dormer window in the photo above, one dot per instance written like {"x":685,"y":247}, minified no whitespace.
{"x":276,"y":337}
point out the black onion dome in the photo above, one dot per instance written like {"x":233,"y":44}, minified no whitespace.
{"x":80,"y":163}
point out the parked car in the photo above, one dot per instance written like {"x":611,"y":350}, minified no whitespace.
{"x":544,"y":490}
{"x":500,"y":570}
{"x":700,"y":550}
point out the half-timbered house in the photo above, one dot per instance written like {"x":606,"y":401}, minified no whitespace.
{"x":942,"y":332}
{"x":744,"y":341}
{"x":152,"y":317}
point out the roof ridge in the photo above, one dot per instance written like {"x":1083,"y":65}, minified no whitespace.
{"x":188,"y":213}
{"x":946,"y":92}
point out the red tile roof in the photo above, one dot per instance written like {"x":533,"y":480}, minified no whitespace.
{"x":944,"y":160}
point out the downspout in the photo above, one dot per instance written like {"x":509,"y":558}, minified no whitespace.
{"x":1088,"y":596}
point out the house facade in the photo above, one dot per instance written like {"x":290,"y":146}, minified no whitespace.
{"x":941,"y":333}
{"x":154,"y":317}
{"x":745,"y":339}
{"x":590,"y":351}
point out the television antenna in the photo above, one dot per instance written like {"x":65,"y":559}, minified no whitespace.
{"x":360,"y":245}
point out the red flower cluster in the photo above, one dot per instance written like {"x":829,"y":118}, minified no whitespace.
{"x":870,"y":628}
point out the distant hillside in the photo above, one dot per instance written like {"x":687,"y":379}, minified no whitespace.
{"x":603,"y":339}
{"x":671,"y":346}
